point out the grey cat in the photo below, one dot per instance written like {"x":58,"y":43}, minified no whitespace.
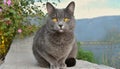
{"x":54,"y":45}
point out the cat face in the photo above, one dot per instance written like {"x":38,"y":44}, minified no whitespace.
{"x":61,"y":20}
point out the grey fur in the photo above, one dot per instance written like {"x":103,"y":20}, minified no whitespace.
{"x":51,"y":47}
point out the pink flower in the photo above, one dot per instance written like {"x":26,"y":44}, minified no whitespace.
{"x":9,"y":2}
{"x":19,"y":30}
{"x":0,"y":9}
{"x":5,"y":2}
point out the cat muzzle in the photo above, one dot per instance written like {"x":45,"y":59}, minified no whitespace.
{"x":61,"y":28}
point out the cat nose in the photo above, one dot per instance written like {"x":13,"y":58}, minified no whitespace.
{"x":60,"y":25}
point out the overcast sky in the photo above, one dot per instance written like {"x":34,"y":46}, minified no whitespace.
{"x":92,"y":8}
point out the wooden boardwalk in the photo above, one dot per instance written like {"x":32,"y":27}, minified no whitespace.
{"x":20,"y":57}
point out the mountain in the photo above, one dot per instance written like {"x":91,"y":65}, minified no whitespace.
{"x":96,"y":28}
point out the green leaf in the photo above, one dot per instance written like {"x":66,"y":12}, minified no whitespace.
{"x":13,"y":11}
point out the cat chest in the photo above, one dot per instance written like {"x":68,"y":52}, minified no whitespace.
{"x":60,"y":45}
{"x":59,"y":50}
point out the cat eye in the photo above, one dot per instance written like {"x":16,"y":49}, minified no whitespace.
{"x":54,"y":20}
{"x":66,"y":19}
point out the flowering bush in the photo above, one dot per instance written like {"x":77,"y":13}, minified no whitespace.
{"x":13,"y":20}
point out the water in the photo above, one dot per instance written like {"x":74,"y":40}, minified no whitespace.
{"x":105,"y":54}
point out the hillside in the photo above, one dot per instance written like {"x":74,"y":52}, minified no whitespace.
{"x":96,"y":28}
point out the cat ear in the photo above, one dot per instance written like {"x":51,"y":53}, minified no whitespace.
{"x":50,"y":8}
{"x":71,"y":7}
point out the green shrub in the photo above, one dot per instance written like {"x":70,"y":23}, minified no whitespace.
{"x":85,"y":55}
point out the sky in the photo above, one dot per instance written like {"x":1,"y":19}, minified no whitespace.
{"x":91,"y":8}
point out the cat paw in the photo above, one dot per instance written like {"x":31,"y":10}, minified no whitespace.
{"x":63,"y":66}
{"x":54,"y":67}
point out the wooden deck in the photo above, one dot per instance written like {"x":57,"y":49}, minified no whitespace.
{"x":20,"y":57}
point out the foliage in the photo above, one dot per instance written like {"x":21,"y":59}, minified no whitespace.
{"x":13,"y":17}
{"x":13,"y":20}
{"x":85,"y":55}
